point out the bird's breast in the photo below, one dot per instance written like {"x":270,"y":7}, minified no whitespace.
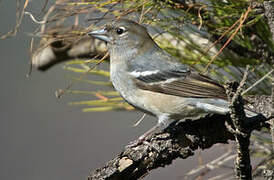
{"x":121,"y":80}
{"x":125,"y":85}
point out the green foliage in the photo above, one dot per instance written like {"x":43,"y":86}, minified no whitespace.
{"x":186,"y":31}
{"x":108,"y":100}
{"x":190,"y":32}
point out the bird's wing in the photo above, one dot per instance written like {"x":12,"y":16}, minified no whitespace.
{"x":157,"y":71}
{"x":179,"y":83}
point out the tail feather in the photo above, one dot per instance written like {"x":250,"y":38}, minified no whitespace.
{"x":250,"y":113}
{"x":220,"y":107}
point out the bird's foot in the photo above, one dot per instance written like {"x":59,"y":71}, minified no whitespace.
{"x":142,"y":139}
{"x":136,"y":142}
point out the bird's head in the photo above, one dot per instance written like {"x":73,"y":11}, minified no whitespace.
{"x":123,"y":33}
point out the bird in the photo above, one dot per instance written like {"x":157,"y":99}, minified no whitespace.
{"x":153,"y":81}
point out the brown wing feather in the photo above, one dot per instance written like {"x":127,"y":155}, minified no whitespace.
{"x":194,"y":85}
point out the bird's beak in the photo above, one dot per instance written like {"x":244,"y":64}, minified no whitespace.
{"x":100,"y":34}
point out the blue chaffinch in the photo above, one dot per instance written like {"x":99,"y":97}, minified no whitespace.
{"x":153,"y":81}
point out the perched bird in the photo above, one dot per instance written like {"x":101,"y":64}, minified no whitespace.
{"x":153,"y":81}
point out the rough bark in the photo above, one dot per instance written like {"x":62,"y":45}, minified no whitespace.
{"x":241,"y":132}
{"x":269,"y":14}
{"x":179,"y":140}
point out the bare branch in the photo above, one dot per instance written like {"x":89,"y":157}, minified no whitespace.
{"x":19,"y":18}
{"x":241,"y":131}
{"x":60,"y":44}
{"x":178,"y":141}
{"x":269,"y":13}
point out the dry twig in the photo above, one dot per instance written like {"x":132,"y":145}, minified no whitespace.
{"x":242,"y":20}
{"x":241,"y":131}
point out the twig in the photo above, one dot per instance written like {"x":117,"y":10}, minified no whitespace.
{"x":242,"y":132}
{"x":216,"y":163}
{"x":272,"y":112}
{"x":200,"y":17}
{"x":45,"y":18}
{"x":60,"y":92}
{"x":257,"y":82}
{"x":263,"y":161}
{"x":140,"y":120}
{"x":33,"y":18}
{"x":44,"y":7}
{"x":142,"y":13}
{"x":242,"y":20}
{"x":222,"y":176}
{"x":19,"y":18}
{"x":30,"y":63}
{"x":215,"y":42}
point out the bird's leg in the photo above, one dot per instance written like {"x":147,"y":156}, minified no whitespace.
{"x":150,"y":131}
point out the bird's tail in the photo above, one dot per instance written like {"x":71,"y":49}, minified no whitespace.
{"x":220,"y":107}
{"x":250,"y":113}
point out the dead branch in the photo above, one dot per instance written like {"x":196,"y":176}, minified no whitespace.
{"x":269,"y":14}
{"x":19,"y":18}
{"x":180,"y":140}
{"x":59,"y":45}
{"x":240,"y":130}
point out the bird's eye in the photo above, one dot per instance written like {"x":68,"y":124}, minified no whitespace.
{"x":120,"y":30}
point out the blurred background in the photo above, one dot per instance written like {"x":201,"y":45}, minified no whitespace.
{"x":42,"y":137}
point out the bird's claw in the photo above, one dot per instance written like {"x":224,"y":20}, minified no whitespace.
{"x":135,"y":143}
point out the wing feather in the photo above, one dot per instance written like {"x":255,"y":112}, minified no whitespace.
{"x":161,"y":73}
{"x":183,"y":85}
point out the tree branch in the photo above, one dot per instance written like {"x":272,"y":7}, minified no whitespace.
{"x":60,"y":45}
{"x":269,"y":14}
{"x":242,"y":132}
{"x":179,"y":140}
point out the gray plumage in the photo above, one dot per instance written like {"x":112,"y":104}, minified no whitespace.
{"x":153,"y":81}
